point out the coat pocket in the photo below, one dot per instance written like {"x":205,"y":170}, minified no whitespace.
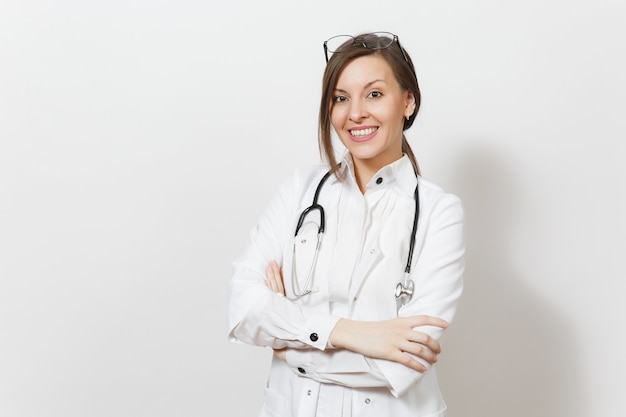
{"x":274,"y":404}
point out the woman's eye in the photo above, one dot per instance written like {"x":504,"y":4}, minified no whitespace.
{"x":375,"y":94}
{"x":340,"y":99}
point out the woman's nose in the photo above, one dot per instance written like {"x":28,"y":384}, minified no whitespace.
{"x":358,"y":110}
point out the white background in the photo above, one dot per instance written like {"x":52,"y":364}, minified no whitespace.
{"x":140,"y":140}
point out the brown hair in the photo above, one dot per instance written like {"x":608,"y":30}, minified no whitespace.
{"x":403,"y":70}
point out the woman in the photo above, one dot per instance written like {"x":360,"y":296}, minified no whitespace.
{"x":355,"y":325}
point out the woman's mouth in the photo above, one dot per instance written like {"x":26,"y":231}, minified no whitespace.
{"x":361,"y":135}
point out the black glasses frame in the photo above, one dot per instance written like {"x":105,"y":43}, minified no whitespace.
{"x":394,"y":38}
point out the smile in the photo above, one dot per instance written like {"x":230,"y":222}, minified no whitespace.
{"x":362,"y":133}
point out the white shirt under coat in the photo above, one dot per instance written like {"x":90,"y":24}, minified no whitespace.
{"x":362,"y":259}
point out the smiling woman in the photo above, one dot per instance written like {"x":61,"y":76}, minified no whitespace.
{"x":368,"y":114}
{"x":345,"y":343}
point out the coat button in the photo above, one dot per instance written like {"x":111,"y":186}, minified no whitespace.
{"x":379,"y":180}
{"x":313,"y":337}
{"x":302,"y":371}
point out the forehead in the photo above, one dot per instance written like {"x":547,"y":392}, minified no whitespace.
{"x":364,"y":70}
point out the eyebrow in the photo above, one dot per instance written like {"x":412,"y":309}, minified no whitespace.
{"x":366,"y":86}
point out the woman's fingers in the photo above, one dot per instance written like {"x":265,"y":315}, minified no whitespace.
{"x":423,"y":320}
{"x":407,"y":360}
{"x":420,"y":344}
{"x":420,"y":350}
{"x":279,"y":274}
{"x":269,"y":278}
{"x":425,"y":340}
{"x":274,"y":278}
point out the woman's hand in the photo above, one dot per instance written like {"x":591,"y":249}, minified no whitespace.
{"x":281,"y":354}
{"x":274,"y":281}
{"x":390,"y":339}
{"x":274,"y":278}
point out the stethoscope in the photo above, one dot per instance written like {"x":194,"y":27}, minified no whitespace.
{"x":404,"y":289}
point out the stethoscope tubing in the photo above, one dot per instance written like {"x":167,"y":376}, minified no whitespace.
{"x":404,"y":289}
{"x":416,"y":217}
{"x":314,"y":206}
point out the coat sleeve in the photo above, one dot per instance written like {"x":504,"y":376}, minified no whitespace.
{"x":438,"y":276}
{"x":256,"y":315}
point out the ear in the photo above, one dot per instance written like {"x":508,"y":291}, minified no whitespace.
{"x":409,"y":107}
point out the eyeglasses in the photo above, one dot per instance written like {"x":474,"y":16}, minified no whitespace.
{"x":374,"y":40}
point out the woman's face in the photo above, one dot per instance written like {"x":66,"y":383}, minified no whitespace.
{"x":368,"y":112}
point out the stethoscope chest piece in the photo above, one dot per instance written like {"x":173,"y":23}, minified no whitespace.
{"x":404,"y":291}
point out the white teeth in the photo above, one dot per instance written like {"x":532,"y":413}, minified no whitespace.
{"x":360,"y":133}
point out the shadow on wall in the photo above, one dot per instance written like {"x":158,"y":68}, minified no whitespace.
{"x":509,"y":353}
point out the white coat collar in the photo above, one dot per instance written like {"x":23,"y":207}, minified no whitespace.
{"x":399,"y":172}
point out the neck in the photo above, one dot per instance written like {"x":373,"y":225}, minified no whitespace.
{"x":364,"y":170}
